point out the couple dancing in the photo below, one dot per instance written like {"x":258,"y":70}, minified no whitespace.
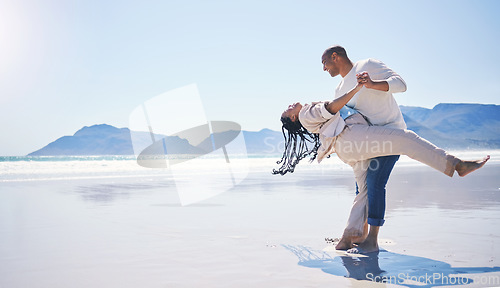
{"x":365,"y":128}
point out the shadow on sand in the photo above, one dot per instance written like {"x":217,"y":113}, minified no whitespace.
{"x":393,"y":268}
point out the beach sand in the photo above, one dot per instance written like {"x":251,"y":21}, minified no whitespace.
{"x":268,"y":231}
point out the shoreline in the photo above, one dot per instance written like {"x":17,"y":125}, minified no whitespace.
{"x":132,"y":230}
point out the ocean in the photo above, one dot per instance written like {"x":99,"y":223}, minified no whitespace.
{"x":105,"y":221}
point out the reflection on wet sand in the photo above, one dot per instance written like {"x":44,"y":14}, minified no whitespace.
{"x":110,"y":192}
{"x":393,"y":268}
{"x":420,"y":187}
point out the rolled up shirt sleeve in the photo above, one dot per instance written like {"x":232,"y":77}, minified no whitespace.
{"x":379,"y":71}
{"x":324,"y":112}
{"x":396,"y":84}
{"x":314,"y":116}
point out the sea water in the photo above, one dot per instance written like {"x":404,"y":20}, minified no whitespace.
{"x":105,"y":221}
{"x":41,"y":168}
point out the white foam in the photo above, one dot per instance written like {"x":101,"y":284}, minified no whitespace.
{"x":54,"y":169}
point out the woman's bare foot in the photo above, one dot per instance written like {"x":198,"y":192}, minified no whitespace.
{"x":344,"y":243}
{"x":465,"y":167}
{"x":360,"y":239}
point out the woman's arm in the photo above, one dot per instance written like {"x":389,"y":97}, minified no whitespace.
{"x":337,"y":104}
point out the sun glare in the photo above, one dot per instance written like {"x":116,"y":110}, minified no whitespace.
{"x":16,"y":30}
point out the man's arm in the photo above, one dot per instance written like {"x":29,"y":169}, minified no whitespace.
{"x":381,"y":85}
{"x":386,"y":79}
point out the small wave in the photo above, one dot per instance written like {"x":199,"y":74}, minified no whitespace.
{"x":66,"y":158}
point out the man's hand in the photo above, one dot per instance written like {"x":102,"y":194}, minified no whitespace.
{"x":364,"y":78}
{"x":361,"y":79}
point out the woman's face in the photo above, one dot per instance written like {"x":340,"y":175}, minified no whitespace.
{"x":292,"y":112}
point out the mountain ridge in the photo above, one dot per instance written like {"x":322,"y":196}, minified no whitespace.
{"x":447,"y":125}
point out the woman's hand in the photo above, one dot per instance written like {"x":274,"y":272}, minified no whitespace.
{"x":361,"y":81}
{"x":364,"y":79}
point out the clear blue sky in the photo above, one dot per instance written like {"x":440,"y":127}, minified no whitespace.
{"x":69,"y":64}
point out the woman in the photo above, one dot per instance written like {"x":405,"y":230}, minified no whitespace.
{"x":322,"y":128}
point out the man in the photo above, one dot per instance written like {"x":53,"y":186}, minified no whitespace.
{"x":378,"y":105}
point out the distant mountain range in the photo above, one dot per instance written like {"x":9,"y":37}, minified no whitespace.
{"x":464,"y":126}
{"x":105,"y":139}
{"x":456,"y":126}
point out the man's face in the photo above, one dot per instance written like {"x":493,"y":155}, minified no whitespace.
{"x":330,"y":64}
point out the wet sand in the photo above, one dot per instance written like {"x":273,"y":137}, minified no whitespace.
{"x":268,"y":231}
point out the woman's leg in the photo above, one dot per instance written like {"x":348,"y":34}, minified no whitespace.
{"x":359,"y":208}
{"x":362,"y":142}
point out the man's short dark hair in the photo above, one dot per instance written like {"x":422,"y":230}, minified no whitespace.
{"x":337,"y":49}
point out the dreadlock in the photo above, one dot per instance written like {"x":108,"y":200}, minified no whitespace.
{"x":297,"y":145}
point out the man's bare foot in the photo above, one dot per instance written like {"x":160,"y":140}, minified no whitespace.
{"x":368,"y":246}
{"x":465,"y":167}
{"x":344,"y":243}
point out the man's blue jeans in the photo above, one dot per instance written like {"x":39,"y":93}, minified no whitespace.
{"x":378,"y":173}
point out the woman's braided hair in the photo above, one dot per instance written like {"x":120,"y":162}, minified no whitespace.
{"x":298,"y":142}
